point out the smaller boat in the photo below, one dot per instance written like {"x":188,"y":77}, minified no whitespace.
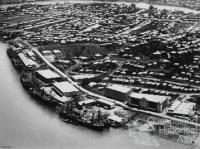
{"x":25,"y":81}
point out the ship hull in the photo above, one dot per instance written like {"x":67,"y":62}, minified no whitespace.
{"x":91,"y":125}
{"x":77,"y":120}
{"x":25,"y":84}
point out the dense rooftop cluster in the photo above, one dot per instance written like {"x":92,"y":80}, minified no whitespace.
{"x":194,"y":4}
{"x":154,"y":43}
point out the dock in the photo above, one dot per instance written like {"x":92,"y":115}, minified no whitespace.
{"x":66,"y":76}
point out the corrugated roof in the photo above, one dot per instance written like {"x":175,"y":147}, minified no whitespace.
{"x":48,"y":74}
{"x":119,"y":88}
{"x":65,"y":87}
{"x":185,"y":108}
{"x":25,"y":60}
{"x":175,"y":105}
{"x":150,"y":97}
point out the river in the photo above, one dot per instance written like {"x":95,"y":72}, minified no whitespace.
{"x":27,"y":124}
{"x":139,"y":5}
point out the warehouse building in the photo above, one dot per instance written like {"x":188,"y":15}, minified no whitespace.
{"x":65,"y":88}
{"x":27,"y":63}
{"x":182,"y":109}
{"x":149,"y":102}
{"x":51,"y":96}
{"x":118,"y":92}
{"x":46,"y":77}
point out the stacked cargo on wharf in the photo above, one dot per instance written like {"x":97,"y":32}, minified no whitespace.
{"x":91,"y":119}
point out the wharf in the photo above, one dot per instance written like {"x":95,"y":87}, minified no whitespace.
{"x":35,"y":50}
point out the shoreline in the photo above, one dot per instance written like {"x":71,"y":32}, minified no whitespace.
{"x":147,"y":113}
{"x":155,"y":135}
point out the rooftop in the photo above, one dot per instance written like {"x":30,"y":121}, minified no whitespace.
{"x":44,"y":52}
{"x":26,"y":61}
{"x":87,"y":101}
{"x":65,"y":87}
{"x":49,"y":91}
{"x":83,"y":76}
{"x":48,"y":74}
{"x":185,"y":108}
{"x":116,"y":118}
{"x":175,"y":105}
{"x":150,"y":97}
{"x":119,"y":88}
{"x":56,"y":51}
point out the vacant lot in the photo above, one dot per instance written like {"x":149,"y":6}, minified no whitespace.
{"x":82,"y":49}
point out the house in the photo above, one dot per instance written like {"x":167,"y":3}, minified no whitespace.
{"x":49,"y":55}
{"x":58,"y":54}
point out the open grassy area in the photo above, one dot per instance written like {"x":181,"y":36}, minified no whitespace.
{"x":81,"y":49}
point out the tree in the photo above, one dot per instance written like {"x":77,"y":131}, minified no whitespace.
{"x":151,"y":11}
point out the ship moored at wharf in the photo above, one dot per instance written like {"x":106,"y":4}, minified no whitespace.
{"x":70,"y":112}
{"x":49,"y":87}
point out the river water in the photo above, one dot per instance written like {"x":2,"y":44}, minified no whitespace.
{"x":25,"y":123}
{"x":139,"y":5}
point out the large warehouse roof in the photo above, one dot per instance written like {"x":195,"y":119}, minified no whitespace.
{"x":185,"y":108}
{"x":119,"y":88}
{"x":150,"y":97}
{"x":65,"y":87}
{"x":48,"y":74}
